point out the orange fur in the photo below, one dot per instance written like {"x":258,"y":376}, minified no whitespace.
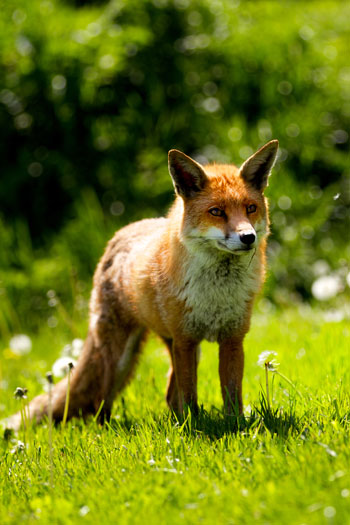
{"x":187,"y":277}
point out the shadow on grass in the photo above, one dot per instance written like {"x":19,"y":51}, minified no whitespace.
{"x":214,"y":424}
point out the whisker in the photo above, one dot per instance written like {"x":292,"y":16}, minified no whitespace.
{"x":251,"y":258}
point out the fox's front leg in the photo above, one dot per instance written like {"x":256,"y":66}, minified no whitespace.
{"x":182,"y":386}
{"x":231,"y":364}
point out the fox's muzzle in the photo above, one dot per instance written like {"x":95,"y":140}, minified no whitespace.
{"x":248,"y":238}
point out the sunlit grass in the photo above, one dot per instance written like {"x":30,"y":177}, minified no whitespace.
{"x":286,"y":464}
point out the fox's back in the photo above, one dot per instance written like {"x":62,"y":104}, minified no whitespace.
{"x":114,"y":279}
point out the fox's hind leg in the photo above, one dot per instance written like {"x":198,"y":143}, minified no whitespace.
{"x":171,"y":393}
{"x":103,"y":369}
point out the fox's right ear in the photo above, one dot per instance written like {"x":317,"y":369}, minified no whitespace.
{"x":188,"y":175}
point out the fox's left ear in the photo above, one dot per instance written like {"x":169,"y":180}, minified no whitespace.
{"x":257,"y":168}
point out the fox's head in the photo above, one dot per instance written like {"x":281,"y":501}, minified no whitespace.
{"x":224,"y":206}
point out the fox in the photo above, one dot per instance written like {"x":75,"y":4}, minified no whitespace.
{"x":190,"y":276}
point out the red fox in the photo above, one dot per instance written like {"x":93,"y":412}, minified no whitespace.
{"x":190,"y":276}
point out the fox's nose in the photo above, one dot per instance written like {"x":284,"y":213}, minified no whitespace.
{"x":247,"y":238}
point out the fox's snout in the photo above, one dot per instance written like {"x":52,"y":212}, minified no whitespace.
{"x":242,"y":240}
{"x":237,"y":241}
{"x":248,"y":238}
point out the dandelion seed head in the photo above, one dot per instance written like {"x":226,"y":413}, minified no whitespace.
{"x":20,"y":393}
{"x":326,"y":287}
{"x":272,"y":365}
{"x":61,"y":367}
{"x":267,"y":357}
{"x":19,"y":447}
{"x":21,"y":344}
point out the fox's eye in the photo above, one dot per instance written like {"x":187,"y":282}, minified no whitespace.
{"x":217,"y":212}
{"x":251,"y":208}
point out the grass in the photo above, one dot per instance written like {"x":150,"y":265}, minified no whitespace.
{"x":286,"y":465}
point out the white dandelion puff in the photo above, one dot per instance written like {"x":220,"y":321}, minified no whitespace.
{"x":61,"y":367}
{"x":21,"y":344}
{"x":326,"y":287}
{"x":267,"y":360}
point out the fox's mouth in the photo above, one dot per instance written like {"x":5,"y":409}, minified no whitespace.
{"x":222,"y":246}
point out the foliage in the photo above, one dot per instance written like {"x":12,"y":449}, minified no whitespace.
{"x":95,"y":94}
{"x":289,"y":464}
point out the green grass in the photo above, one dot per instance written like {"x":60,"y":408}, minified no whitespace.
{"x":287,"y":465}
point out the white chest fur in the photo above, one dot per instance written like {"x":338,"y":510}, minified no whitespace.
{"x":216,"y":291}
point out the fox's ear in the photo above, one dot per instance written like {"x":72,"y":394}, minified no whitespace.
{"x":257,"y":168}
{"x":188,"y":176}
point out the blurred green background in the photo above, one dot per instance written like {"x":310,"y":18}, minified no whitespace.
{"x":94,"y":93}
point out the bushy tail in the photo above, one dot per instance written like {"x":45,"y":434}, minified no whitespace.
{"x":103,"y":369}
{"x":90,"y":384}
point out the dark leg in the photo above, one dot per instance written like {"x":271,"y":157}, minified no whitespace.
{"x":182,"y":387}
{"x":231,"y":364}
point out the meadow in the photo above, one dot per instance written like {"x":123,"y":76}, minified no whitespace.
{"x":287,"y":463}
